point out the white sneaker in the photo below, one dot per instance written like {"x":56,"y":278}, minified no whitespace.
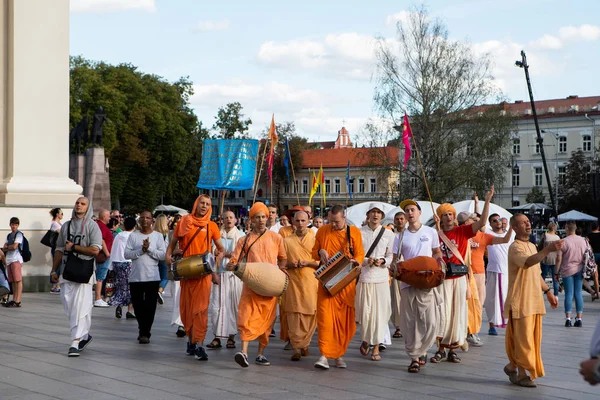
{"x":101,"y":303}
{"x":339,"y":362}
{"x":322,"y":363}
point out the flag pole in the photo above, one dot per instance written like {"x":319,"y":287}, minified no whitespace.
{"x":424,"y":178}
{"x":260,"y":170}
{"x":293,"y":173}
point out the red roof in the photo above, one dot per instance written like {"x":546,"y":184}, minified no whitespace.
{"x":560,"y":105}
{"x":358,"y":157}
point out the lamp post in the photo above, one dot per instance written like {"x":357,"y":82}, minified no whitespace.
{"x":523,"y":64}
{"x":556,"y":137}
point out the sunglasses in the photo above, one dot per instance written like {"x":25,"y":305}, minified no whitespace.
{"x":495,"y":220}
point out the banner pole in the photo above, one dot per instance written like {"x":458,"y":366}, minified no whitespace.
{"x":293,"y":174}
{"x":260,"y":170}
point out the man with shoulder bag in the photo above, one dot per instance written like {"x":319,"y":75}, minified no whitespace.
{"x":78,"y":244}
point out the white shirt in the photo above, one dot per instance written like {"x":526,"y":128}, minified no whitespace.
{"x":314,"y":229}
{"x":117,"y":253}
{"x":383,"y":249}
{"x":498,"y":255}
{"x":415,"y":244}
{"x":275,"y":228}
{"x":15,"y":255}
{"x":144,"y":266}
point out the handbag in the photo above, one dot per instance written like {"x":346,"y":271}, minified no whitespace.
{"x":101,"y":257}
{"x":50,"y":238}
{"x":453,"y":270}
{"x":77,"y":269}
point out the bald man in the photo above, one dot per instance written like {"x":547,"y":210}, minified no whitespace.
{"x":103,"y":258}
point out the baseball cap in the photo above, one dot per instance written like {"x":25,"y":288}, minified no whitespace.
{"x":463,"y":216}
{"x":409,"y":202}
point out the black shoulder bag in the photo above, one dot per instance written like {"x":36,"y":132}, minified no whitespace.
{"x":77,"y":269}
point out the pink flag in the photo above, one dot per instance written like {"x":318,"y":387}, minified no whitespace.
{"x":406,"y":135}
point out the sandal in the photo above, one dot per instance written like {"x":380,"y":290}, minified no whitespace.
{"x":423,"y":360}
{"x":438,"y":357}
{"x":230,"y":344}
{"x":453,"y":357}
{"x":397,"y":334}
{"x":215,"y":344}
{"x":375,"y":357}
{"x":364,"y":348}
{"x":414,"y":367}
{"x":526,"y":382}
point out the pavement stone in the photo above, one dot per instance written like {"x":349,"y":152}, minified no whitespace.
{"x":34,"y":340}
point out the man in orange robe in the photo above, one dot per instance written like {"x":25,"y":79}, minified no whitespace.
{"x":336,"y":320}
{"x":257,"y":313}
{"x":300,"y":299}
{"x":195,"y":233}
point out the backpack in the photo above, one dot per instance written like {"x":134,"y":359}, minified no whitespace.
{"x":23,"y":248}
{"x":589,"y":262}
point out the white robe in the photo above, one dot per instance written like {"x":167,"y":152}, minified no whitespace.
{"x":496,"y":289}
{"x":78,"y":304}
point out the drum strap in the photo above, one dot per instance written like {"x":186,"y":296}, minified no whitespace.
{"x":245,"y":254}
{"x":349,"y":241}
{"x":194,"y":237}
{"x":375,"y":242}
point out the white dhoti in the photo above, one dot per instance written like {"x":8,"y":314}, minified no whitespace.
{"x":224,"y":305}
{"x":418,"y":320}
{"x":373,"y":311}
{"x":496,"y":288}
{"x":77,"y":301}
{"x":454,"y":292}
{"x":175,"y":315}
{"x":395,"y":297}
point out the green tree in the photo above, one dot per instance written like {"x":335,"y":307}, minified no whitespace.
{"x":576,"y":193}
{"x":152,"y":138}
{"x":230,"y":122}
{"x":443,"y":87}
{"x":536,"y":195}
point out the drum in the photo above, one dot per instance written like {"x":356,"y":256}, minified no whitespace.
{"x":263,"y":278}
{"x":193,"y":267}
{"x":421,"y":272}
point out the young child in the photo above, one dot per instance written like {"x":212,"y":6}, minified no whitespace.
{"x":14,"y":262}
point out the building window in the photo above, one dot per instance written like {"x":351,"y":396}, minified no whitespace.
{"x":214,"y":194}
{"x":304,"y":185}
{"x":414,"y":182}
{"x":516,"y":146}
{"x":537,"y":147}
{"x":373,"y":185}
{"x":516,"y":176}
{"x":351,"y":187}
{"x":516,"y":203}
{"x":562,"y":144}
{"x":587,"y":143}
{"x":361,"y":185}
{"x":413,"y":153}
{"x":538,"y":176}
{"x":327,"y":186}
{"x":562,"y":175}
{"x":286,"y":188}
{"x":296,"y":187}
{"x":336,"y":187}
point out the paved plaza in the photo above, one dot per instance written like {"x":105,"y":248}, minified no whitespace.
{"x":34,"y":341}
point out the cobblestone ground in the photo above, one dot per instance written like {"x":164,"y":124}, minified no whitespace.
{"x":34,"y":365}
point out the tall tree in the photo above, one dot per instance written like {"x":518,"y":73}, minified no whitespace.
{"x":152,"y":138}
{"x":443,"y":87}
{"x":230,"y":122}
{"x":576,"y":192}
{"x":536,"y":195}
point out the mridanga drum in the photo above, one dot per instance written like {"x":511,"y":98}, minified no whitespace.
{"x":263,"y":278}
{"x":193,"y":267}
{"x":421,"y":272}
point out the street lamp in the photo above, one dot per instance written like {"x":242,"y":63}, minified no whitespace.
{"x":556,"y":137}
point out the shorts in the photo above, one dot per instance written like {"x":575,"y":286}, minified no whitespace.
{"x":102,"y":270}
{"x":14,"y":272}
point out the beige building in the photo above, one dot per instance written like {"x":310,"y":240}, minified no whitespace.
{"x":566,"y":125}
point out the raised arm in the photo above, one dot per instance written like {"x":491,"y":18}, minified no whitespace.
{"x":484,"y":214}
{"x":540,"y":255}
{"x":505,"y":238}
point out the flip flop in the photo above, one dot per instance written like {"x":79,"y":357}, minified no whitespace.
{"x":527,"y":382}
{"x":364,"y":348}
{"x":512,"y":375}
{"x":397,"y":334}
{"x":375,"y":357}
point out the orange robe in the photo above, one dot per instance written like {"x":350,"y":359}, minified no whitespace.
{"x":283,"y":325}
{"x":300,"y":299}
{"x":195,"y":293}
{"x":286,"y":231}
{"x":257,"y":313}
{"x":336,"y":320}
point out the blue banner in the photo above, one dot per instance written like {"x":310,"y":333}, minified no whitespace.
{"x":228,"y":164}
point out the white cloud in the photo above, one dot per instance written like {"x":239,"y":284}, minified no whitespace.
{"x":548,"y":42}
{"x":402,"y":17}
{"x":583,"y":32}
{"x":347,"y":55}
{"x":107,"y":6}
{"x":206,"y":26}
{"x":308,"y":109}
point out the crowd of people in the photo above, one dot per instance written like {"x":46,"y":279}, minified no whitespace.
{"x":489,"y":264}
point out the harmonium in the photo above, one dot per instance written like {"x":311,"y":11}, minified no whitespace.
{"x":337,"y":273}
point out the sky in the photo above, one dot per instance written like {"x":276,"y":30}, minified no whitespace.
{"x":313,"y":62}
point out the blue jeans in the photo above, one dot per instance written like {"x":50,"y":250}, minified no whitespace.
{"x":162,"y":270}
{"x":573,"y":286}
{"x":547,"y":268}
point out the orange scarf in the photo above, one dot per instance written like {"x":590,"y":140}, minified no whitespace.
{"x":190,"y":223}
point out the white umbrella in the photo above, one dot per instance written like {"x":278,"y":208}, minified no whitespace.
{"x":169,"y":209}
{"x":575,"y":215}
{"x":469,"y":205}
{"x":426,"y":211}
{"x":357,"y":214}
